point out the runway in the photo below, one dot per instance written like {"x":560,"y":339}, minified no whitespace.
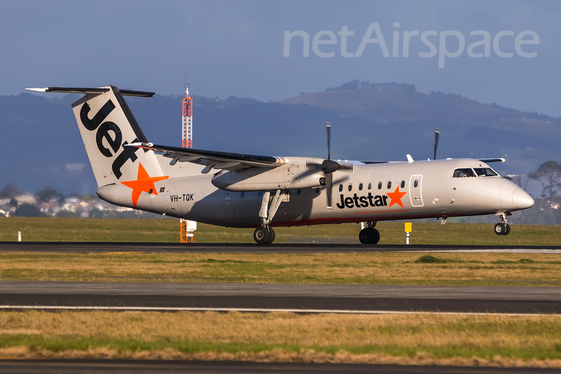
{"x":103,"y":247}
{"x":301,"y":297}
{"x":235,"y":367}
{"x":267,"y":297}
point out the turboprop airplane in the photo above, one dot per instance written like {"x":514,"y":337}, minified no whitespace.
{"x":242,"y":190}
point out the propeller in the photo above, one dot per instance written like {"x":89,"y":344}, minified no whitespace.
{"x":328,"y":129}
{"x":436,"y":135}
{"x":328,"y":167}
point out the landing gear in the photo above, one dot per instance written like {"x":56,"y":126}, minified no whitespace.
{"x":265,"y":234}
{"x":368,"y":234}
{"x":502,"y":228}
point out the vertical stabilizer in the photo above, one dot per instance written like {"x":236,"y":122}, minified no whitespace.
{"x":107,"y":125}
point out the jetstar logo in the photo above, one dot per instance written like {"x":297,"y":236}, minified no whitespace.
{"x":143,"y":183}
{"x":111,"y":133}
{"x":371,"y":200}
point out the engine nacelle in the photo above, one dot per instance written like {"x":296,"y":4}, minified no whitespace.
{"x":294,"y":174}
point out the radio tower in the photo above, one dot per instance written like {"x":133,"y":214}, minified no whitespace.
{"x":187,"y":227}
{"x":187,"y":125}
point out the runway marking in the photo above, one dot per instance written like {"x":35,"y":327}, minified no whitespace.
{"x":260,"y":310}
{"x":505,"y":250}
{"x":119,"y":253}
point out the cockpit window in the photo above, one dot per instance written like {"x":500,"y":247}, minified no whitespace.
{"x":463,"y":173}
{"x":485,"y":172}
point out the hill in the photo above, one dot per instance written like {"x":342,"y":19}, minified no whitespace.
{"x":403,"y":117}
{"x":41,"y":145}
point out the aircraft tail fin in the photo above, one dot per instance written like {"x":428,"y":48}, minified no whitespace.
{"x":107,"y":124}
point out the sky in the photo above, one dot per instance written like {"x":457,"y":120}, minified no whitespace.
{"x":504,"y":52}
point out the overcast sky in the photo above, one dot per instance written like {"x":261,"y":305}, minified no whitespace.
{"x":225,"y":48}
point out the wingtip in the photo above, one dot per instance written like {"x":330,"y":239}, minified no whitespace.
{"x":37,"y":89}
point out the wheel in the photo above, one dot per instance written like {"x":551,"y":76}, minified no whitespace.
{"x":271,"y":237}
{"x":260,"y":235}
{"x":369,"y":235}
{"x":263,"y":235}
{"x":501,"y":228}
{"x":507,"y":229}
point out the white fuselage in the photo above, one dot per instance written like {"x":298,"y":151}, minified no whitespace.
{"x":363,"y":193}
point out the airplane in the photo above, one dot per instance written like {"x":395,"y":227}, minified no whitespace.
{"x":244,"y":190}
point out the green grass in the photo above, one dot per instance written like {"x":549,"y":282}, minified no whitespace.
{"x":318,"y":338}
{"x":71,"y":343}
{"x":408,"y":268}
{"x":167,"y":230}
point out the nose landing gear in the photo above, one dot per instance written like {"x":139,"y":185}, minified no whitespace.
{"x":502,"y":228}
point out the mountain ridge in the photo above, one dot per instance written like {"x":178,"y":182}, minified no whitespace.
{"x":41,"y":145}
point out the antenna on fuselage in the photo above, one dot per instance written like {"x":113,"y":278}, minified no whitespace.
{"x":436,"y":135}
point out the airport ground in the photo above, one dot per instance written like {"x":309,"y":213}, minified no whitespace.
{"x":337,"y":303}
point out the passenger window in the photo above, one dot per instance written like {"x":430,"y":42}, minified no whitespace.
{"x":340,"y":188}
{"x":402,"y":184}
{"x":360,"y":187}
{"x":379,"y":185}
{"x":350,"y":187}
{"x":389,"y":185}
{"x":485,"y":172}
{"x":416,"y":184}
{"x":369,"y":186}
{"x":463,"y":173}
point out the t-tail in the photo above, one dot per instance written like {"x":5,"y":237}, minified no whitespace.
{"x":107,"y":124}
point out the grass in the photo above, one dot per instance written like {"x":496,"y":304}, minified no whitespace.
{"x":167,"y":230}
{"x":482,"y":269}
{"x":383,"y":339}
{"x":284,"y":336}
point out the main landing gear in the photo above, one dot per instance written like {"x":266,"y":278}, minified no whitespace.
{"x":265,"y":234}
{"x":502,"y":228}
{"x":368,"y":234}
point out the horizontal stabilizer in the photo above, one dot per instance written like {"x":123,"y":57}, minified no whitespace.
{"x":98,"y":90}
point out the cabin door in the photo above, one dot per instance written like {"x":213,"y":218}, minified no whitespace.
{"x":416,"y":190}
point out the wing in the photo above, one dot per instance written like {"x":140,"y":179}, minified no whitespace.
{"x":213,"y":159}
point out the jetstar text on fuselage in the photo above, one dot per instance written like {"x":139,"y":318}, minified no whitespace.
{"x":362,"y":201}
{"x":370,"y":200}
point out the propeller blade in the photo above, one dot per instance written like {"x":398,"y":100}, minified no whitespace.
{"x":328,"y":128}
{"x":329,"y":189}
{"x":436,"y":135}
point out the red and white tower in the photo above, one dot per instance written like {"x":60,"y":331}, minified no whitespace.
{"x":187,"y":125}
{"x":187,"y":227}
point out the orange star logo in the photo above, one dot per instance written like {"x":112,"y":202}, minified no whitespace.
{"x":396,"y":197}
{"x":143,"y":183}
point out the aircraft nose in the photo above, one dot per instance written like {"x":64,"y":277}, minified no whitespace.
{"x":523,"y":200}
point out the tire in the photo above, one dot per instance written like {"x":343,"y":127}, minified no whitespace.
{"x":507,"y":229}
{"x":369,"y":236}
{"x":500,"y":229}
{"x":271,"y":236}
{"x":261,"y":235}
